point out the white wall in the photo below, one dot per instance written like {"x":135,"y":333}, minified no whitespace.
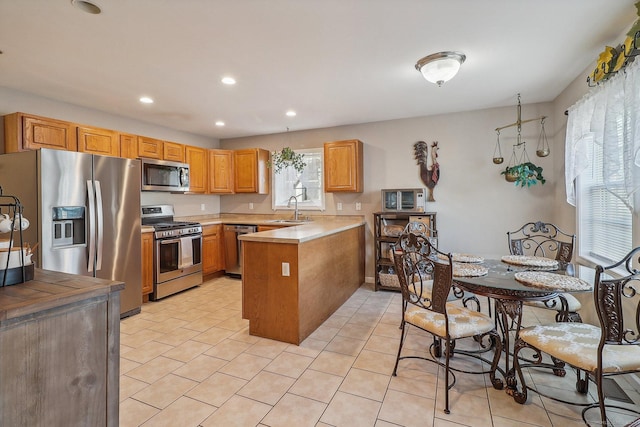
{"x":475,"y":205}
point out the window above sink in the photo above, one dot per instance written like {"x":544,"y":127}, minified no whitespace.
{"x":307,"y":186}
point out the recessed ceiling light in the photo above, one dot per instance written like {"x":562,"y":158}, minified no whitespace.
{"x":146,"y":100}
{"x":291,"y":113}
{"x":87,"y":6}
{"x":219,"y":123}
{"x":228,"y":80}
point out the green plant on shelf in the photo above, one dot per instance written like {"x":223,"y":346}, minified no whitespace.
{"x":285,"y":158}
{"x":524,"y":175}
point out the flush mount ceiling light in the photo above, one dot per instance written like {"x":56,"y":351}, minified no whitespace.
{"x":146,"y":100}
{"x":228,"y":80}
{"x":291,"y":113}
{"x":440,"y":67}
{"x":87,"y":6}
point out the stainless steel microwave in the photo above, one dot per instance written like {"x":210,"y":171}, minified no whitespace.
{"x":163,"y":175}
{"x":403,"y":200}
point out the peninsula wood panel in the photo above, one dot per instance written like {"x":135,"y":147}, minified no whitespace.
{"x":324,"y":273}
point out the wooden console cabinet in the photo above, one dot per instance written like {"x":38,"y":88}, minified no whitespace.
{"x":60,"y":351}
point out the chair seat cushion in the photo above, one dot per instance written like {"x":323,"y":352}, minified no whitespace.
{"x":577,"y":345}
{"x":462,"y":322}
{"x":555,"y":304}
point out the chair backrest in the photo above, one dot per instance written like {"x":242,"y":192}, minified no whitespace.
{"x":418,"y":227}
{"x":617,"y":301}
{"x":541,"y":239}
{"x":420,"y":265}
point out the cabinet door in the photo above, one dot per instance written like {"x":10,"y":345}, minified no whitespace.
{"x":221,"y":171}
{"x":150,"y":148}
{"x":197,"y":159}
{"x":98,"y":141}
{"x":212,"y":249}
{"x":343,"y":166}
{"x":128,"y":146}
{"x":41,"y":132}
{"x":250,"y":171}
{"x":173,"y":151}
{"x":147,"y":263}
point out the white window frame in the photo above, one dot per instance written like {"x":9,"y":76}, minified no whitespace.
{"x":312,"y":186}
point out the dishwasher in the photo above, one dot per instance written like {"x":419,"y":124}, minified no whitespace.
{"x":233,"y":247}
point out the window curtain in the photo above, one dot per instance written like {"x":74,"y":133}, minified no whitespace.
{"x":607,"y":119}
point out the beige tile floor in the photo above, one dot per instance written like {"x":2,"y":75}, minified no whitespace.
{"x":189,"y":360}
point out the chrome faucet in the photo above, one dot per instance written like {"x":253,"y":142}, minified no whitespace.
{"x":295,"y":214}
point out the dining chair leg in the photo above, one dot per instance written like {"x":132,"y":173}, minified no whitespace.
{"x":446,"y":374}
{"x":402,"y":337}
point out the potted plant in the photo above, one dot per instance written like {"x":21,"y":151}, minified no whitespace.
{"x":524,"y":174}
{"x":286,"y":157}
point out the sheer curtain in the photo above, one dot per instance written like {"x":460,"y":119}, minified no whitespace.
{"x":607,"y":119}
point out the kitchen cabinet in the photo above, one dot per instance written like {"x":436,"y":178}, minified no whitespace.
{"x":343,"y":166}
{"x":60,"y":351}
{"x":128,"y":146}
{"x":147,"y":264}
{"x":221,"y":171}
{"x":98,"y":141}
{"x":196,"y":157}
{"x":251,"y":174}
{"x":387,"y":227}
{"x":212,"y":249}
{"x":150,"y":148}
{"x":173,"y":151}
{"x":28,"y":132}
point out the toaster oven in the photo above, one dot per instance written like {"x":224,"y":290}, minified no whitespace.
{"x":404,"y":200}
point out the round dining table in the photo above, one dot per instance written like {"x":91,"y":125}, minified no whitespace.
{"x":509,"y":295}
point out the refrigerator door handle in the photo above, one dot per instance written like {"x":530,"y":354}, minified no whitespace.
{"x":91,"y":204}
{"x":100,"y":218}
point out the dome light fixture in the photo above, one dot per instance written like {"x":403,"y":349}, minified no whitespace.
{"x":87,"y":6}
{"x":440,"y":67}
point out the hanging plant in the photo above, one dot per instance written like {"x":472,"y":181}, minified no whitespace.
{"x":286,"y":157}
{"x":524,"y":175}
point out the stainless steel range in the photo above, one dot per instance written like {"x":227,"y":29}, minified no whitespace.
{"x":177,"y":251}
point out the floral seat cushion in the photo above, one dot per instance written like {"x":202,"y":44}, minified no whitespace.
{"x":462,"y":321}
{"x":577,"y":345}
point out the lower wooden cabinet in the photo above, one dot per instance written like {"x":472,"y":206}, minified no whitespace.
{"x":212,"y":249}
{"x":147,"y":263}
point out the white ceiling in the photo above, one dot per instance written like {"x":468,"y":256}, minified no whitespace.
{"x":335,"y":62}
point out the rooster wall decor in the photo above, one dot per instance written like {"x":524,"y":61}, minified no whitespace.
{"x":429,"y":167}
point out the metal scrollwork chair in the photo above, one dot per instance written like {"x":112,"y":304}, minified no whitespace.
{"x":547,"y":240}
{"x":419,"y":265}
{"x":611,"y":348}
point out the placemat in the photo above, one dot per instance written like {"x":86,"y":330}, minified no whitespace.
{"x":552,"y":281}
{"x":531,"y":261}
{"x":467,"y":258}
{"x":469,"y":270}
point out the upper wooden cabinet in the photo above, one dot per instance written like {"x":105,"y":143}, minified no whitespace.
{"x":196,"y":157}
{"x":98,"y":141}
{"x":343,"y":166}
{"x":27,"y":132}
{"x":221,"y":171}
{"x":150,"y":148}
{"x":173,"y":151}
{"x":128,"y":146}
{"x":251,"y":174}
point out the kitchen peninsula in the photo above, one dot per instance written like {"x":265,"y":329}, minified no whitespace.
{"x":294,"y":278}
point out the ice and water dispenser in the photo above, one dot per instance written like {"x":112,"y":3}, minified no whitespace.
{"x":68,"y":226}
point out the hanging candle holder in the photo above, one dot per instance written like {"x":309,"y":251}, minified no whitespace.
{"x":542,"y":149}
{"x":509,"y":174}
{"x":497,"y":152}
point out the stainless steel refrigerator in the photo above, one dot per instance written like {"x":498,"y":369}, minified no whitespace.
{"x":84,"y":211}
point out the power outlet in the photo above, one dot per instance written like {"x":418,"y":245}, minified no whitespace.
{"x":202,"y":207}
{"x":339,"y":206}
{"x":285,"y":269}
{"x":250,"y":206}
{"x":358,"y":206}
